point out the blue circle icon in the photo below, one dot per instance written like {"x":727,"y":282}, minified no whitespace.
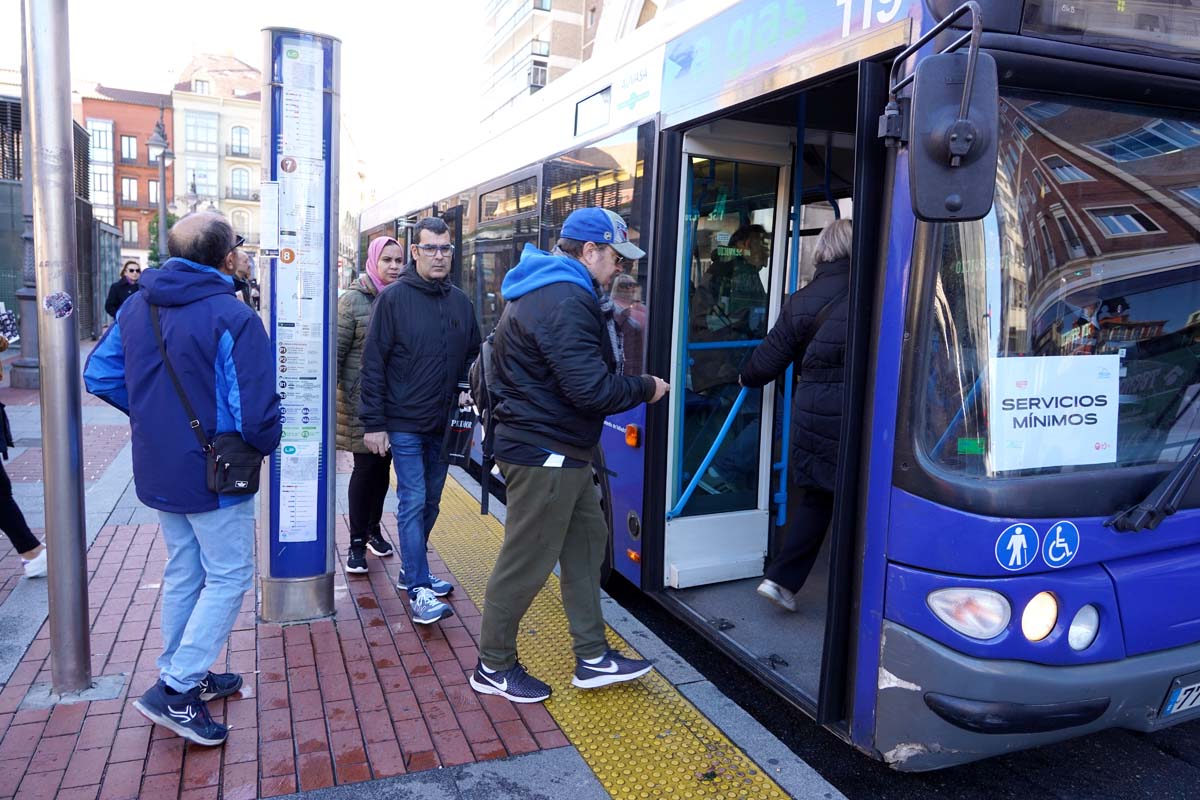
{"x":1061,"y":545}
{"x":1017,"y":547}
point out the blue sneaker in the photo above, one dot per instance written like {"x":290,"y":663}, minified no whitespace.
{"x":612,"y":668}
{"x":427,"y":609}
{"x":216,"y":685}
{"x":183,"y":714}
{"x":513,"y":683}
{"x":440,"y":587}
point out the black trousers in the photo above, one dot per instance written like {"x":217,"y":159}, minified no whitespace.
{"x":369,"y":484}
{"x":12,"y":521}
{"x":808,"y":520}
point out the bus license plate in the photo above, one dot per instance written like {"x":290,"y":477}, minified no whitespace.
{"x":1184,"y":695}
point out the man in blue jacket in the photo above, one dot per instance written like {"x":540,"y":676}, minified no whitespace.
{"x":224,"y":361}
{"x":557,"y":376}
{"x":421,"y":339}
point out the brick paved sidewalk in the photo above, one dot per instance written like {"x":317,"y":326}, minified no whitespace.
{"x":369,"y":695}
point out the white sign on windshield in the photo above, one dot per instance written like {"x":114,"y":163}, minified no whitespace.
{"x":1053,"y":411}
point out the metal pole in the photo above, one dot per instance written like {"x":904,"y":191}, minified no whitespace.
{"x":162,"y":208}
{"x":52,"y":162}
{"x":24,"y":373}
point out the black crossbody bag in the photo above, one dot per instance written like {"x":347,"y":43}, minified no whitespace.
{"x":232,"y":465}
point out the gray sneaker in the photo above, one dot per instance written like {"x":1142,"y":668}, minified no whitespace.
{"x":777,"y":594}
{"x":427,"y":609}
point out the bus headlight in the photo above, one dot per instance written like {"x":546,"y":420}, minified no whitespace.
{"x":1084,"y":628}
{"x":1039,"y":617}
{"x":978,"y":613}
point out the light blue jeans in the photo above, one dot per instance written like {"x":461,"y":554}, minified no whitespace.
{"x":420,"y":476}
{"x":210,"y":565}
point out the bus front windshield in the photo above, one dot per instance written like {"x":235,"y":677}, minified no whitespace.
{"x":1062,"y":331}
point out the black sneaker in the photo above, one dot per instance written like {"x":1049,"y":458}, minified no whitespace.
{"x":356,"y":562}
{"x":613,"y":668}
{"x":216,"y":685}
{"x":513,"y":683}
{"x":184,"y":714}
{"x":380,"y":546}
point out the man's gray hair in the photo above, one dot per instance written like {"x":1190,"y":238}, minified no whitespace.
{"x":204,"y":237}
{"x":834,"y":242}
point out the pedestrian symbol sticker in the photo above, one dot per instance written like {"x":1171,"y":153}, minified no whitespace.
{"x":1062,"y":543}
{"x":1017,"y":547}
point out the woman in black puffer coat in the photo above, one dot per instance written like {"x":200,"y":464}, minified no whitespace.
{"x":811,"y":334}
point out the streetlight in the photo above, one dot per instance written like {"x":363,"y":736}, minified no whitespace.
{"x":157,"y":147}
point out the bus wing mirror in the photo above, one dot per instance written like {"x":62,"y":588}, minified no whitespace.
{"x":953,"y":137}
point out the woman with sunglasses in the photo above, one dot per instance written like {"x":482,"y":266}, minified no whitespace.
{"x":126,"y":285}
{"x":369,"y":482}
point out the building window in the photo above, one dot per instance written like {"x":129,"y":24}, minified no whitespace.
{"x":1051,"y":256}
{"x":200,"y":132}
{"x":1064,"y":171}
{"x":1022,"y":128}
{"x":1043,"y":187}
{"x":239,"y":141}
{"x":101,"y":182}
{"x":1192,"y":194}
{"x":201,"y":177}
{"x":1123,"y":221}
{"x":239,"y":184}
{"x":129,"y":191}
{"x":1071,"y":236}
{"x":102,"y":144}
{"x":591,"y":17}
{"x":104,"y":215}
{"x":537,"y":75}
{"x":241,"y":222}
{"x":129,"y":148}
{"x":1044,"y":110}
{"x":152,"y":192}
{"x":541,"y":5}
{"x":1158,"y":138}
{"x":129,"y":230}
{"x":199,"y":86}
{"x":539,"y":47}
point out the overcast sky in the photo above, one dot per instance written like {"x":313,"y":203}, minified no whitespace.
{"x":410,"y":71}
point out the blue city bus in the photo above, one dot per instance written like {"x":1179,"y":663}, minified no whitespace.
{"x":1015,"y":547}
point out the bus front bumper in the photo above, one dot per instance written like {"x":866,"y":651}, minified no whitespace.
{"x":936,"y":707}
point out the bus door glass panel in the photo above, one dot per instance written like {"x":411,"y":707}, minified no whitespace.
{"x":731,"y":220}
{"x":495,"y":256}
{"x":1092,"y":249}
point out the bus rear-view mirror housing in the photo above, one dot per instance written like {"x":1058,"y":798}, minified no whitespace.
{"x":953,"y":138}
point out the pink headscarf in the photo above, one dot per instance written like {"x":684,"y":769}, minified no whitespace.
{"x":373,"y":252}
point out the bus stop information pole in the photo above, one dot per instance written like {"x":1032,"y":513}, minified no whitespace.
{"x":301,"y":150}
{"x":51,"y":165}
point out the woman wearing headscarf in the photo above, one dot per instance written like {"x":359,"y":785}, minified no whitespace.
{"x":811,"y":335}
{"x":369,"y":480}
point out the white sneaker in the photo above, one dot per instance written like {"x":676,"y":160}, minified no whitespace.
{"x":777,"y":595}
{"x":36,"y":566}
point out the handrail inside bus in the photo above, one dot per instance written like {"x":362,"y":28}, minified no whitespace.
{"x":937,"y":448}
{"x":712,"y":453}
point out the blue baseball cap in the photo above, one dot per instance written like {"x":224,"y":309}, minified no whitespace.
{"x":601,"y":226}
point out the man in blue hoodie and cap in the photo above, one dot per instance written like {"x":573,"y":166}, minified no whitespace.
{"x":223,"y":359}
{"x":555,"y":378}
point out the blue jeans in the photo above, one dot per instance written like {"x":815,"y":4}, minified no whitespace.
{"x":210,"y":565}
{"x":420,"y":476}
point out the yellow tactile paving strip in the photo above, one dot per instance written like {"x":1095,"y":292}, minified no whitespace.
{"x":642,"y":739}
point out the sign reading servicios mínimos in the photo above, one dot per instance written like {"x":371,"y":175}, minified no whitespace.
{"x":1053,"y":411}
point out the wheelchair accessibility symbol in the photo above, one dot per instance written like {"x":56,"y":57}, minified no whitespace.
{"x":1061,"y":545}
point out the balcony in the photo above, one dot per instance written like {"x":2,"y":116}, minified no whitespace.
{"x":131,"y":162}
{"x":133,"y":202}
{"x":239,"y":151}
{"x":242,"y":194}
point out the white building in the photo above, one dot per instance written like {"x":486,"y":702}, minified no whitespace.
{"x":217,"y":141}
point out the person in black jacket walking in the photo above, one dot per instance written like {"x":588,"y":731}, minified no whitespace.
{"x":120,"y":291}
{"x":557,"y":376}
{"x":811,"y":334}
{"x":421,"y":340}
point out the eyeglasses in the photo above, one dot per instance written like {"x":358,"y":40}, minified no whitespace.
{"x":238,"y":242}
{"x":134,"y":269}
{"x":436,"y":249}
{"x":620,"y":259}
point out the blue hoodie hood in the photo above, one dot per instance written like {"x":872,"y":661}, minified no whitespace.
{"x":180,"y":282}
{"x":538,"y":268}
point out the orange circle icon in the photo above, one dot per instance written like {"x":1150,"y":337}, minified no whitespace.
{"x":287,"y":255}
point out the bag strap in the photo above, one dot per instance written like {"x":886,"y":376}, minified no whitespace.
{"x":822,"y":315}
{"x":193,"y":421}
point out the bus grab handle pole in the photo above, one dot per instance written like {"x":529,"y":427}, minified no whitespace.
{"x":712,"y":453}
